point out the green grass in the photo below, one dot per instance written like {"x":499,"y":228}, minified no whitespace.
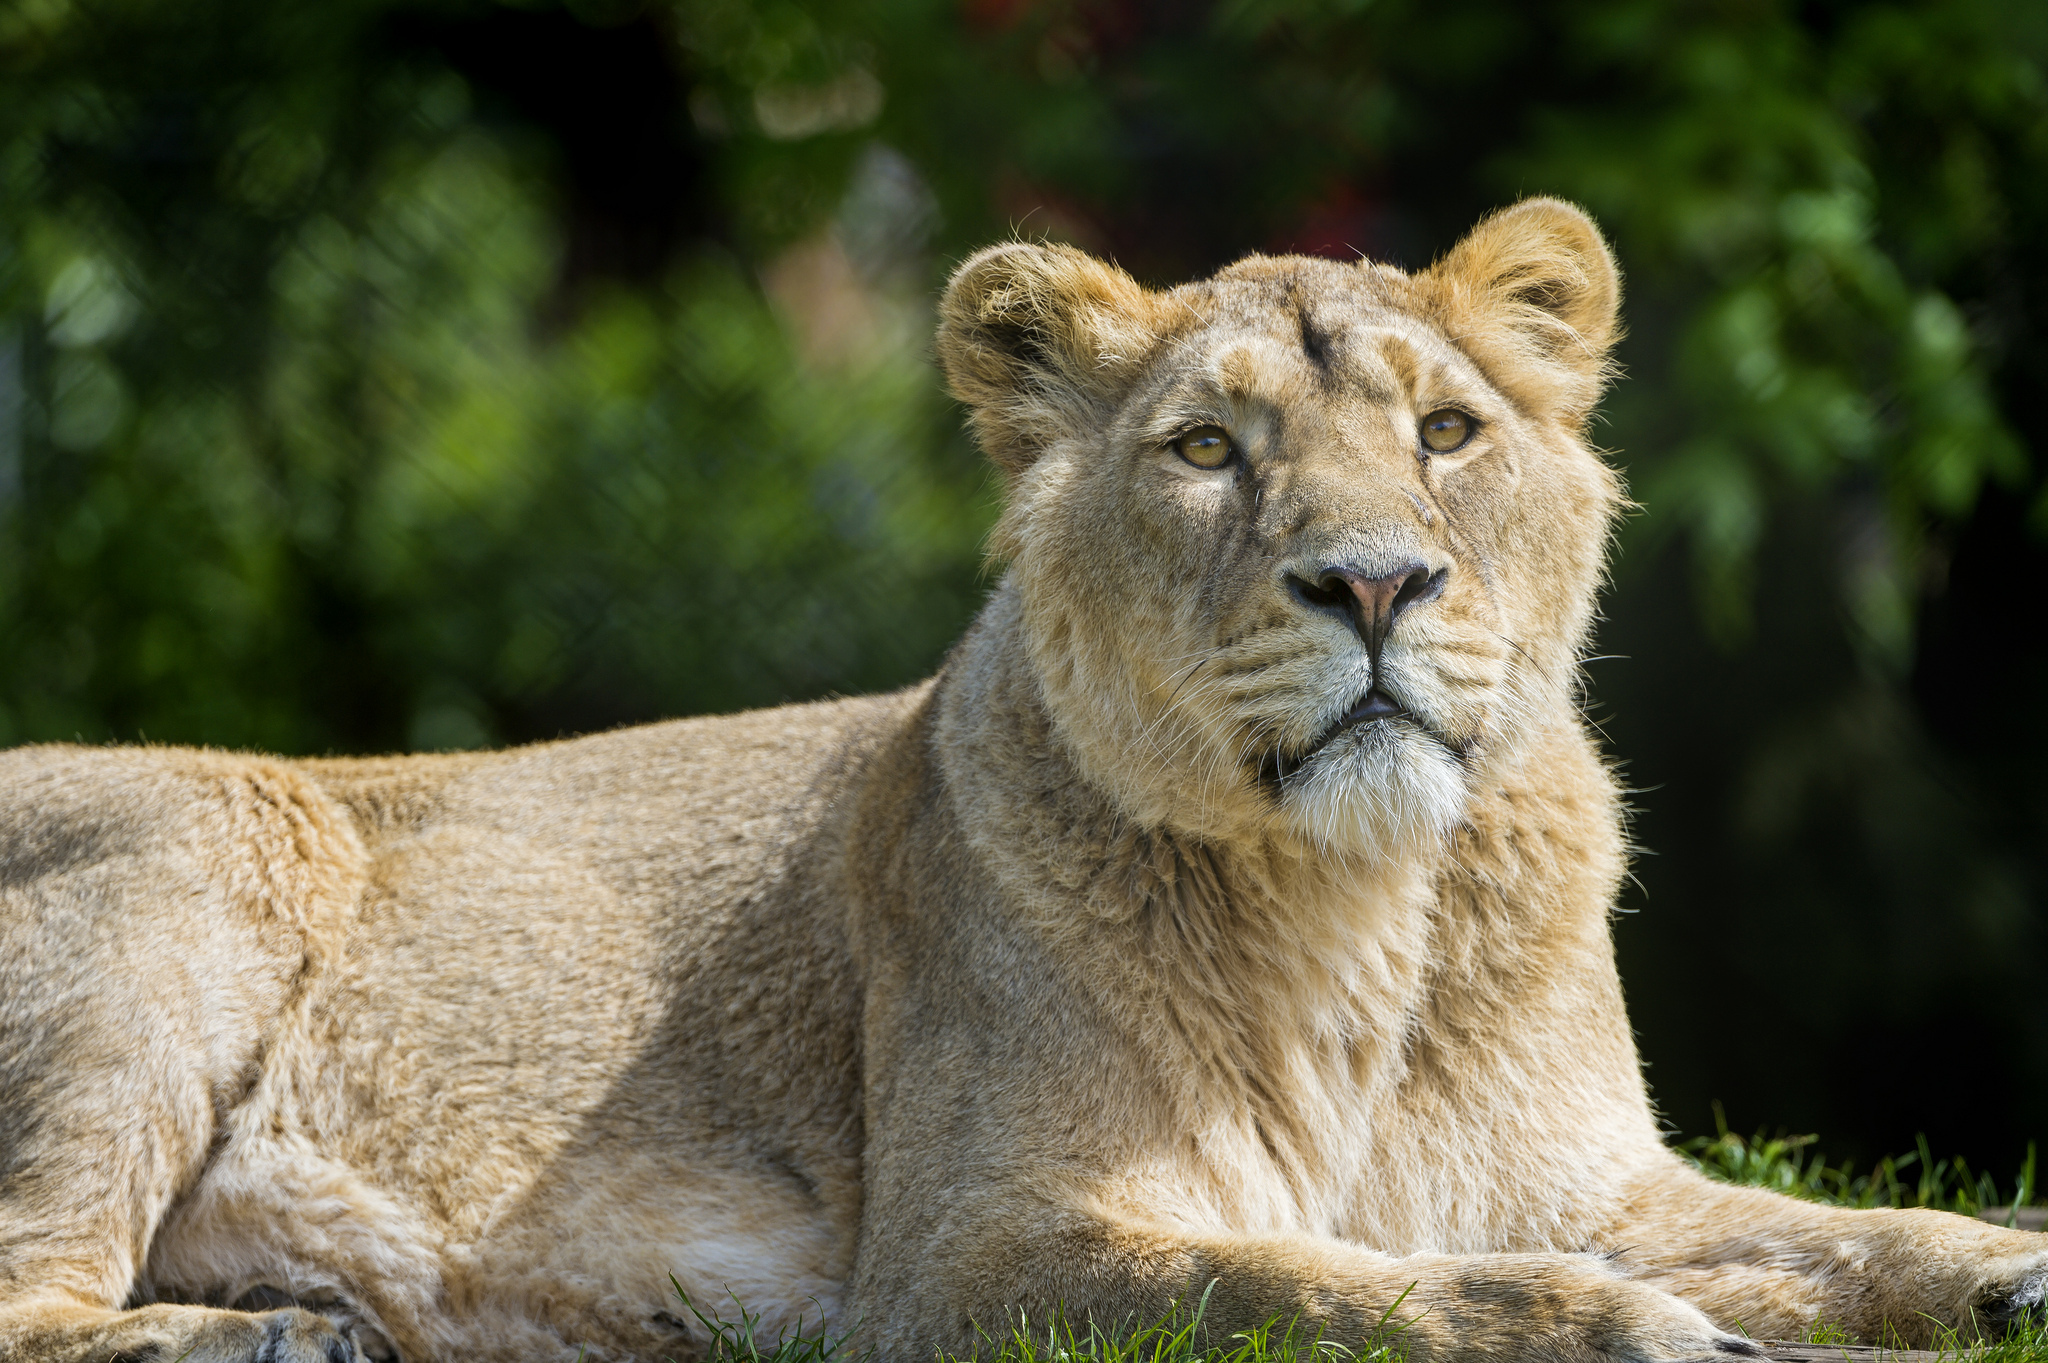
{"x":1789,"y":1164}
{"x":1785,"y":1163}
{"x":1178,"y":1337}
{"x":741,"y":1342}
{"x":2023,"y":1344}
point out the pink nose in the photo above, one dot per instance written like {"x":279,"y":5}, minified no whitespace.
{"x":1372,"y":604}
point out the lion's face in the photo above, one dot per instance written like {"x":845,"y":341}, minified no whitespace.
{"x":1303,"y":548}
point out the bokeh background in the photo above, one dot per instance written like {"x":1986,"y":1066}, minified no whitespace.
{"x":383,"y":374}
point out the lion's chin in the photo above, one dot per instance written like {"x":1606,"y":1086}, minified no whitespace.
{"x":1381,"y":790}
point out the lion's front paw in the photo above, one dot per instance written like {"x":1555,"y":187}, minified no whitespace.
{"x":1640,"y":1323}
{"x":1934,"y":1272}
{"x":1567,"y":1307}
{"x":2022,"y":1297}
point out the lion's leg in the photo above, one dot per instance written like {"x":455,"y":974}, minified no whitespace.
{"x":104,"y":1125}
{"x":1773,"y":1266}
{"x":65,"y":1330}
{"x":1028,"y":1262}
{"x":146,"y":951}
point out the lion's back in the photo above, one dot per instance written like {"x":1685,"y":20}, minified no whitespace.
{"x":700,"y":788}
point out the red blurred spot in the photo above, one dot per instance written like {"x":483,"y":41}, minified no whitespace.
{"x":1108,"y":25}
{"x":1037,"y":212}
{"x":1343,"y":223}
{"x":995,"y":15}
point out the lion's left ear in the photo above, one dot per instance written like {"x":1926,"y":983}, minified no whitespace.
{"x":1533,"y":294}
{"x":1038,"y":341}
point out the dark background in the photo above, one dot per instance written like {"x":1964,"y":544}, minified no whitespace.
{"x":381,"y":374}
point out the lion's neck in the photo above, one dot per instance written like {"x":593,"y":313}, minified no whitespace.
{"x":1243,"y":949}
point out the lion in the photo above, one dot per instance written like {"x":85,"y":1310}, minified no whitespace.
{"x":1228,"y":920}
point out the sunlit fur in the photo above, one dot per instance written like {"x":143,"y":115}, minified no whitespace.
{"x":1076,"y":977}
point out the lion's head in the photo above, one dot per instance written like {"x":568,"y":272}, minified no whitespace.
{"x":1303,"y":549}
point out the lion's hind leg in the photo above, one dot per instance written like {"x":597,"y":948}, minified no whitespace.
{"x":53,"y":1330}
{"x":157,"y":909}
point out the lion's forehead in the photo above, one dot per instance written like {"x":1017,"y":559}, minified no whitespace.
{"x":1320,"y":341}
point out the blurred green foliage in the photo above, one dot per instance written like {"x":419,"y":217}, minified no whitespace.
{"x":431,"y":373}
{"x":306,"y":450}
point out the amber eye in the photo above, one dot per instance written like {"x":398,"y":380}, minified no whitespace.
{"x":1446,"y":429}
{"x":1206,"y":447}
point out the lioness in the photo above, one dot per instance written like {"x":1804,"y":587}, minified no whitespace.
{"x":1230,"y":913}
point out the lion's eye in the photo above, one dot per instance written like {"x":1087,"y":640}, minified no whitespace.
{"x":1446,"y":429}
{"x":1206,"y":447}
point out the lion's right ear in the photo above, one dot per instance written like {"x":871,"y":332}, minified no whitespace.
{"x":1039,"y":341}
{"x":1533,"y":293}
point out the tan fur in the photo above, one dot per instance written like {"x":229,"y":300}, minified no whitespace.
{"x":1071,"y":978}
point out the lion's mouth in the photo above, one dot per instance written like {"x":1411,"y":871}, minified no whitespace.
{"x":1374,"y":707}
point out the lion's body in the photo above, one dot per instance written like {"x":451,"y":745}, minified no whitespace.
{"x":1122,"y":959}
{"x":547,"y":1046}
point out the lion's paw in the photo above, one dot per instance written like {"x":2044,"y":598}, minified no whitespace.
{"x":2021,"y":1297}
{"x":1930,"y":1273}
{"x":298,"y":1336}
{"x":1650,"y":1325}
{"x":1572,"y":1308}
{"x":173,"y":1334}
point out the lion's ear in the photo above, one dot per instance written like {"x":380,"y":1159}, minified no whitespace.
{"x":1533,"y":294}
{"x":1038,"y":341}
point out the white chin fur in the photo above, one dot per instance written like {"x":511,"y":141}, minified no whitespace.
{"x":1382,"y":790}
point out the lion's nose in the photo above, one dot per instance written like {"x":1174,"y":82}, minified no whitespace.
{"x":1371,"y":604}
